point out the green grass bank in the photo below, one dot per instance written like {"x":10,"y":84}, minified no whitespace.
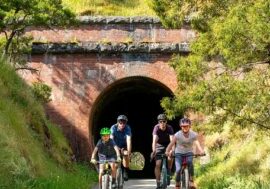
{"x":239,"y":159}
{"x":33,"y":151}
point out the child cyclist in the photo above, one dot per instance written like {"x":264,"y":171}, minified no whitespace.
{"x":184,"y":140}
{"x":107,"y":150}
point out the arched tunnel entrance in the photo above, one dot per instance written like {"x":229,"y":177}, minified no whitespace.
{"x":139,"y":99}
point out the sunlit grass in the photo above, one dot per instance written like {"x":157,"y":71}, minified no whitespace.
{"x":110,"y":7}
{"x":25,"y":161}
{"x":241,"y":163}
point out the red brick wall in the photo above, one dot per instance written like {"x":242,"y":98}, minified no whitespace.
{"x":112,"y":33}
{"x":78,"y":79}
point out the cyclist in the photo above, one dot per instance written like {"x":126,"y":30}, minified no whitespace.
{"x":162,"y":135}
{"x":184,"y":140}
{"x":107,"y":150}
{"x":121,"y":134}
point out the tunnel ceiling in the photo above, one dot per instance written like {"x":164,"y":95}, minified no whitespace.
{"x":139,"y":99}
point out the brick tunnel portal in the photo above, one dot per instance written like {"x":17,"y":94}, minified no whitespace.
{"x":139,"y":99}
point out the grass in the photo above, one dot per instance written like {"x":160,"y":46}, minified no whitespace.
{"x":110,"y":7}
{"x":33,"y":152}
{"x":241,"y":163}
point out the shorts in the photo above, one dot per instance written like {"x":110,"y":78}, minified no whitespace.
{"x":160,"y":149}
{"x":123,"y":146}
{"x":102,"y":157}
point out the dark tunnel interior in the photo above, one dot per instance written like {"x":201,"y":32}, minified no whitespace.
{"x":139,"y":99}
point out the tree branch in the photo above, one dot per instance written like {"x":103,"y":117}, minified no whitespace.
{"x":247,"y":119}
{"x":27,"y":68}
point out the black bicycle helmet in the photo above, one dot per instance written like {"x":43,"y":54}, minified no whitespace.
{"x":161,"y":117}
{"x":122,"y":117}
{"x":184,"y":121}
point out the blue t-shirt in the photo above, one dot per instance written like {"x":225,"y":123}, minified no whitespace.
{"x":120,"y":137}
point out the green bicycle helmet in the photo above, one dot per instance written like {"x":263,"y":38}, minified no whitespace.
{"x":105,"y":131}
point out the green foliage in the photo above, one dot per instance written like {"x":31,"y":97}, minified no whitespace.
{"x":242,"y":161}
{"x":33,"y":152}
{"x":236,"y":182}
{"x":20,"y":47}
{"x":80,"y":178}
{"x":171,"y":13}
{"x":227,"y":73}
{"x":226,"y":76}
{"x":110,"y":7}
{"x":42,"y":92}
{"x":60,"y":150}
{"x":17,"y":15}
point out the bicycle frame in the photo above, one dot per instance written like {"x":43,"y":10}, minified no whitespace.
{"x":106,"y":179}
{"x":119,"y":176}
{"x":184,"y":172}
{"x":184,"y":178}
{"x":164,"y":171}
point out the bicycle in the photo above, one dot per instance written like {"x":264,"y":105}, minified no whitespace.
{"x":119,"y":173}
{"x":119,"y":176}
{"x":184,"y":173}
{"x":106,"y":179}
{"x":164,"y":176}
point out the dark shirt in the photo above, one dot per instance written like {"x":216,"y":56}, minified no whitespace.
{"x":163,"y":136}
{"x":120,"y":137}
{"x":106,"y":148}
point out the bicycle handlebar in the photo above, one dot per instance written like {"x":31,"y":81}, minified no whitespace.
{"x":124,"y":152}
{"x":161,"y":155}
{"x":184,"y":155}
{"x":106,"y":161}
{"x":157,"y":155}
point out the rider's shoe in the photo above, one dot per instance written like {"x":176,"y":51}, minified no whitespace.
{"x":168,"y":180}
{"x":114,"y":185}
{"x":158,"y":185}
{"x":192,"y":185}
{"x":125,"y":175}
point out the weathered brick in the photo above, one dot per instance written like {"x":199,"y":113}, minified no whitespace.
{"x":77,"y":79}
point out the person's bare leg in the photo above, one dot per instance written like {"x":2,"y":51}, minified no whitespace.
{"x":126,"y":160}
{"x":99,"y":180}
{"x":191,"y":183}
{"x":177,"y":185}
{"x":170,"y":163}
{"x":100,"y":175}
{"x":113,"y":166}
{"x":157,"y":172}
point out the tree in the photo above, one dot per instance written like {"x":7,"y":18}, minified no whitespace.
{"x":226,"y":75}
{"x":16,"y":15}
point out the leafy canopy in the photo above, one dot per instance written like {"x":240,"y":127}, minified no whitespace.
{"x":16,"y":15}
{"x":226,"y":75}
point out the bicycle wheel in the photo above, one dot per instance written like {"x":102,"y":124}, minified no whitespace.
{"x":163,"y":176}
{"x":119,"y":178}
{"x":185,"y":179}
{"x":105,"y":181}
{"x":110,"y":182}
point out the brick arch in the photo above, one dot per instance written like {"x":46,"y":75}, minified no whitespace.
{"x":82,"y":62}
{"x":138,"y":97}
{"x":122,"y":85}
